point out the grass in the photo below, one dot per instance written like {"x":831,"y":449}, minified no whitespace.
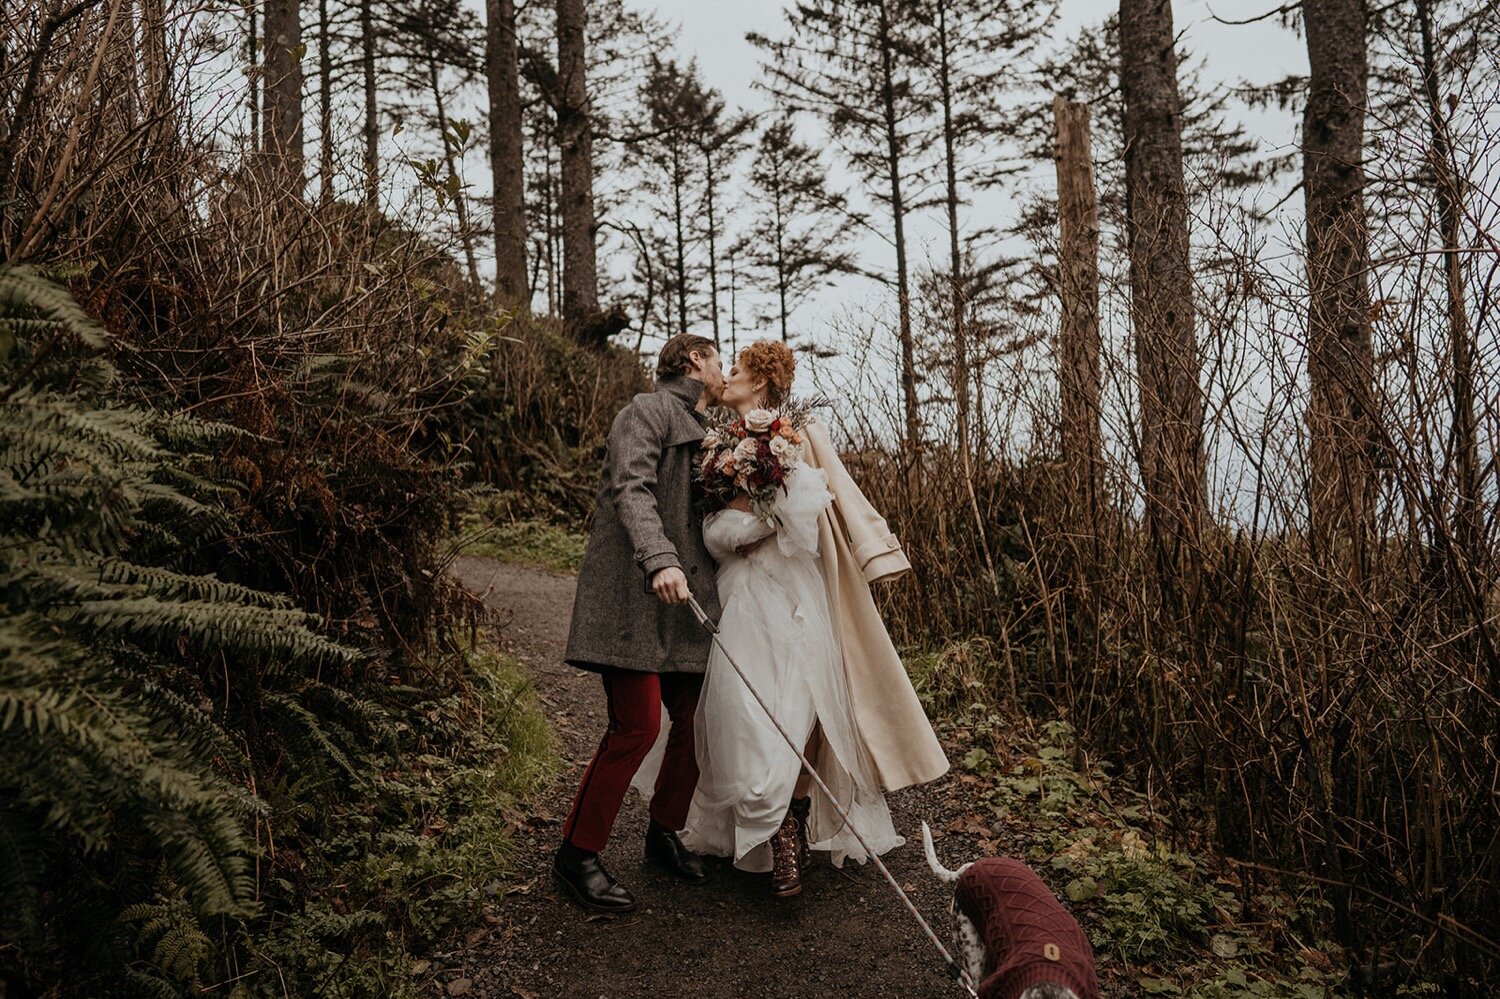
{"x":522,"y":542}
{"x":429,"y":854}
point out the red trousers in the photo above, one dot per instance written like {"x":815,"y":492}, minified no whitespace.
{"x":635,"y":703}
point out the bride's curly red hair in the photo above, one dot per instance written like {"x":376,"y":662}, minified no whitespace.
{"x":773,"y":361}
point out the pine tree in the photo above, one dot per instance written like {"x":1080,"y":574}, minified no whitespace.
{"x":580,"y":271}
{"x":972,"y":53}
{"x":798,"y":236}
{"x":720,"y":138}
{"x":853,"y":64}
{"x":438,"y":41}
{"x":676,"y":104}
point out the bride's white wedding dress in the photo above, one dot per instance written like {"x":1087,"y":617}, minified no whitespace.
{"x":776,"y":623}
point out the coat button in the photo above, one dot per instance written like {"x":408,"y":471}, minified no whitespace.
{"x":693,"y":571}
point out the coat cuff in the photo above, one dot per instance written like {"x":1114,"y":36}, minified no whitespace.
{"x":654,"y":562}
{"x":875,"y":548}
{"x":884,"y":568}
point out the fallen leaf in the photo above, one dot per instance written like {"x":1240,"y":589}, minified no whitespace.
{"x":1223,"y":946}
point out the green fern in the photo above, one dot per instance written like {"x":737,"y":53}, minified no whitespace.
{"x":179,"y":947}
{"x":102,"y":754}
{"x":21,"y":864}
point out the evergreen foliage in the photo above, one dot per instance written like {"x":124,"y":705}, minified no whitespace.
{"x":189,"y":763}
{"x":110,"y":762}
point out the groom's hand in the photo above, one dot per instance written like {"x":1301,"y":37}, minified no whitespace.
{"x":670,"y":586}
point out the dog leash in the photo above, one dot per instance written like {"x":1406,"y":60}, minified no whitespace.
{"x":956,"y":972}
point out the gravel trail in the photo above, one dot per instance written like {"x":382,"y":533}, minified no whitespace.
{"x":845,"y":935}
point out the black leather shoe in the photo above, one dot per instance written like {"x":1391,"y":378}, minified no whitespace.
{"x":581,"y":874}
{"x":664,"y":849}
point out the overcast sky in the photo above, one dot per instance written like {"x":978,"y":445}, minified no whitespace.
{"x":714,"y":32}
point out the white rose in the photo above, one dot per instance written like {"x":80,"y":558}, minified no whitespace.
{"x":783,"y":449}
{"x":759,"y":420}
{"x":745,"y":450}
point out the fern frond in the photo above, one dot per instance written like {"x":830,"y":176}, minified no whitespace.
{"x":25,"y":291}
{"x":316,"y":738}
{"x":170,"y":928}
{"x":279,"y":637}
{"x":21,"y":867}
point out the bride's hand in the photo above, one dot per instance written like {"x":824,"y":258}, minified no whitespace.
{"x":741,"y":502}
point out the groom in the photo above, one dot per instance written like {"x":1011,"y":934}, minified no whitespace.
{"x":644,"y":558}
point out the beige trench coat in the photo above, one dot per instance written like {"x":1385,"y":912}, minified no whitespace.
{"x":857,"y":549}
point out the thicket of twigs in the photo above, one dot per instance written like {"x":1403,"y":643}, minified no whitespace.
{"x":1332,"y":720}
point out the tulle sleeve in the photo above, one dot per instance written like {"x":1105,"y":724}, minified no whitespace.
{"x":726,"y":530}
{"x":797,"y":509}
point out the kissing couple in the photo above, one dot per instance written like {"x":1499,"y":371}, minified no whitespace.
{"x":785,"y":569}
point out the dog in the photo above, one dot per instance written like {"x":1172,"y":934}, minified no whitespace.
{"x":1013,"y":936}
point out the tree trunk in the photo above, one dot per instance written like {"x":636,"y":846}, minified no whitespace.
{"x":1079,"y":344}
{"x":782,"y":277}
{"x":1463,"y":450}
{"x":372,"y":108}
{"x":958,"y":299}
{"x":554,"y":240}
{"x":679,"y":243}
{"x":460,"y":204}
{"x":734,"y":328}
{"x":898,"y":219}
{"x":507,"y":163}
{"x":710,"y":193}
{"x":325,"y":106}
{"x":957,"y":305}
{"x":580,"y":276}
{"x":1161,"y":289}
{"x":253,"y":73}
{"x":159,"y":105}
{"x":283,"y":93}
{"x":1339,"y":351}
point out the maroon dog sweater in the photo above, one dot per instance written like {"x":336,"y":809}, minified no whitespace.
{"x":1030,"y":939}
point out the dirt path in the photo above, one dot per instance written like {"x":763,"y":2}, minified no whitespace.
{"x":846,"y":935}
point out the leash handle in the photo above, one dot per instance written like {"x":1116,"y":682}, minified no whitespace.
{"x":709,"y":624}
{"x":955,"y":970}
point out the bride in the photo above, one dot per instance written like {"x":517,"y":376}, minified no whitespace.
{"x":801,"y":624}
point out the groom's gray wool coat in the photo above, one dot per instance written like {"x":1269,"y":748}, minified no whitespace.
{"x":645,"y":520}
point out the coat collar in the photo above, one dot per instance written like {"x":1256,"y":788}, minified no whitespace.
{"x":686,"y":390}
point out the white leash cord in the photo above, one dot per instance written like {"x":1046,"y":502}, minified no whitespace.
{"x":954,"y":970}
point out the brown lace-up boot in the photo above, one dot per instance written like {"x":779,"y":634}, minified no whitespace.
{"x":801,"y":811}
{"x":786,"y":860}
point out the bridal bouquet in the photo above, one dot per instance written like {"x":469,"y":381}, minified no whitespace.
{"x":753,"y":455}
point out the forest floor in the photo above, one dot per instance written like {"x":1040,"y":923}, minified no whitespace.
{"x":846,"y":934}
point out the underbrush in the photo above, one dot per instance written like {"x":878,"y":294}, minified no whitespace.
{"x":1330,"y":724}
{"x":538,"y":423}
{"x":1159,"y":908}
{"x":419,"y":857}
